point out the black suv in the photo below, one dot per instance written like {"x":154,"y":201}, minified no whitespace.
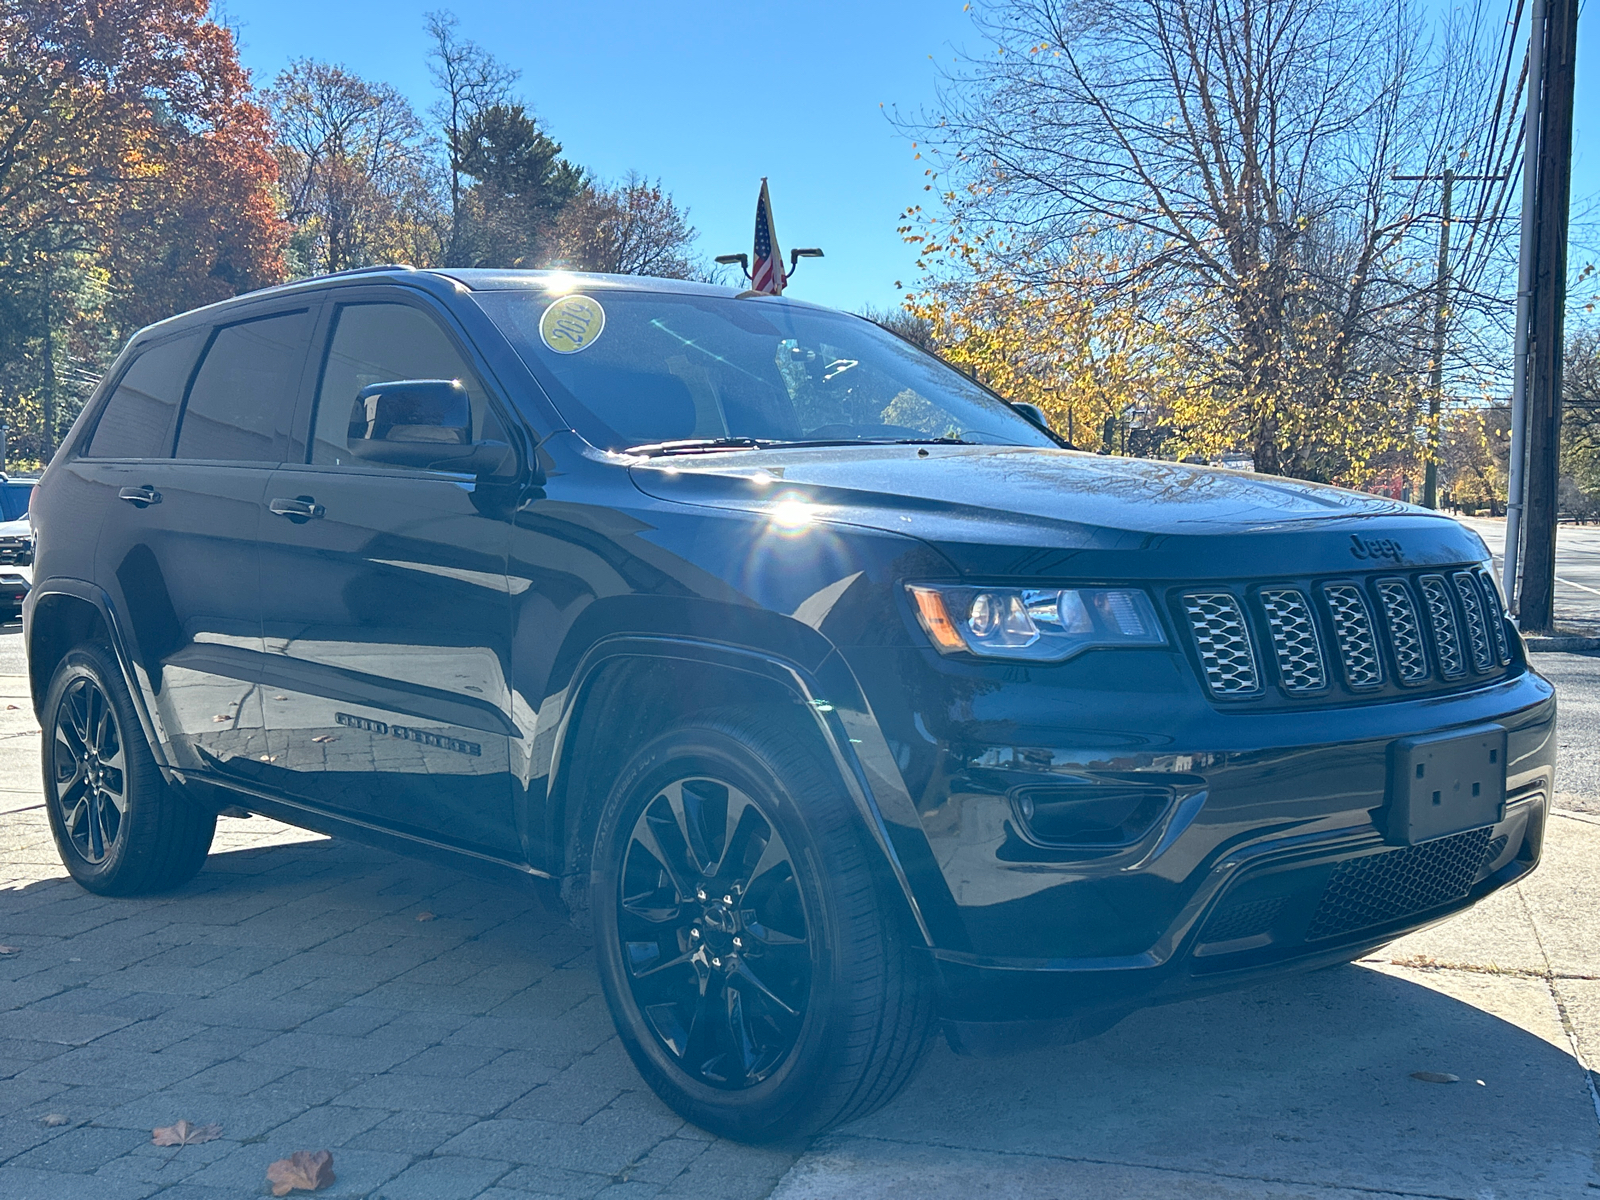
{"x":836,"y":695}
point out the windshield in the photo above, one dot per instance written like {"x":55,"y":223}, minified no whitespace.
{"x":642,"y":370}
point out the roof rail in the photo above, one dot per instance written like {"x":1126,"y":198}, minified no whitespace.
{"x":360,"y":271}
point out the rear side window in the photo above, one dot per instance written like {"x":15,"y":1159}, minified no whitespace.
{"x":245,"y":389}
{"x":137,"y":421}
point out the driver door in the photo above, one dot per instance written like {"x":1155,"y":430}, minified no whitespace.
{"x":386,"y":605}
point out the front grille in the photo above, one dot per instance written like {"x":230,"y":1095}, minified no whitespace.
{"x":1386,"y":634}
{"x":1352,"y":628}
{"x":1497,"y":617}
{"x":1477,"y":627}
{"x":1405,"y":633}
{"x":1245,"y":919}
{"x":1223,"y":640}
{"x":1442,"y":619}
{"x":1380,"y":888}
{"x":1294,"y":638}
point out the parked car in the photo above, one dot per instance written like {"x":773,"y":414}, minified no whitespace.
{"x":836,"y":696}
{"x":16,"y":543}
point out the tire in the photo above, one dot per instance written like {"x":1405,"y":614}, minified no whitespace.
{"x":119,"y":827}
{"x":737,"y":1025}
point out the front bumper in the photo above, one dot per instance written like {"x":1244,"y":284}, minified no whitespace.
{"x":1269,"y":855}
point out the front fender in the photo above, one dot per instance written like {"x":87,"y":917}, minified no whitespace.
{"x":833,"y":698}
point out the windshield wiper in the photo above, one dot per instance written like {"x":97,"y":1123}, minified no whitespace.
{"x":698,"y":445}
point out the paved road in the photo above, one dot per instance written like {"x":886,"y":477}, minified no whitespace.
{"x":292,"y":994}
{"x":1577,"y":569}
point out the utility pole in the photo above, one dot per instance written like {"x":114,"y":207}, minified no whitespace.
{"x":1516,"y":469}
{"x":1441,"y":312}
{"x":1548,"y":336}
{"x":1441,"y":318}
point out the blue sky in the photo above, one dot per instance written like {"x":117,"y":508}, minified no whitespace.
{"x":711,"y":96}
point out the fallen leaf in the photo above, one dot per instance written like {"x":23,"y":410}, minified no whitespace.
{"x":182,"y":1133}
{"x":325,"y":737}
{"x":10,"y":707}
{"x":1435,"y":1077}
{"x":269,"y":758}
{"x":304,"y":1170}
{"x":280,"y":697}
{"x":424,"y":916}
{"x":54,"y":1119}
{"x":10,"y":949}
{"x":222,"y":717}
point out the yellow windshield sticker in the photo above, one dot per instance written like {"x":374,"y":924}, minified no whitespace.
{"x":572,"y":323}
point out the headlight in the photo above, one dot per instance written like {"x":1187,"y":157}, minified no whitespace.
{"x":1041,"y":624}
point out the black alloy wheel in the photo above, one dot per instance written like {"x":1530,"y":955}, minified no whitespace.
{"x":759,"y":966}
{"x":714,"y":932}
{"x":88,"y":771}
{"x":120,"y":828}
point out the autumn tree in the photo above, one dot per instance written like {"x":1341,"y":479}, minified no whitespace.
{"x":1033,"y":323}
{"x":633,"y":228}
{"x":135,"y":180}
{"x":1580,"y":424}
{"x":358,"y":180}
{"x":1236,"y":159}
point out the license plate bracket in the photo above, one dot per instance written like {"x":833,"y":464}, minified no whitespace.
{"x":1445,"y":783}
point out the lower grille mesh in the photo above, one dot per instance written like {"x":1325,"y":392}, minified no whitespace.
{"x":1384,"y":887}
{"x":1242,"y":920}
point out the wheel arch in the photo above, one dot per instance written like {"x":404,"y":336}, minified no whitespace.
{"x":62,"y":613}
{"x":662,"y":680}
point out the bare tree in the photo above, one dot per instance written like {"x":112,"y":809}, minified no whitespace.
{"x":1241,"y":152}
{"x":635,"y":228}
{"x":354,"y":168}
{"x":472,"y":81}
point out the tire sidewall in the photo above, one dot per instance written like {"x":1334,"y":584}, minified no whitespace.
{"x":760,"y":1111}
{"x":86,"y":663}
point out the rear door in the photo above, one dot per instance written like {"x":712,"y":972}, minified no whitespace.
{"x":182,"y":452}
{"x":386,"y":603}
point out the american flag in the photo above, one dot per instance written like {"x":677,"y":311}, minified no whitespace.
{"x":766,"y":269}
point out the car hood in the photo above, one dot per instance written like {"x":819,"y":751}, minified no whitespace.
{"x":1020,"y":511}
{"x":20,"y":528}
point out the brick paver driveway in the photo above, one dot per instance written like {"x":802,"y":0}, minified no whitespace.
{"x":439,"y":1035}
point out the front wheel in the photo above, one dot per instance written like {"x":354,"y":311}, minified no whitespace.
{"x":120,"y":829}
{"x":757,"y":969}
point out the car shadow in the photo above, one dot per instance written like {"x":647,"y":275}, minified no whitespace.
{"x":1309,"y":1079}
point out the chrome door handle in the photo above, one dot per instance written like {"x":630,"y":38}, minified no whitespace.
{"x":142,"y":496}
{"x":300,"y":509}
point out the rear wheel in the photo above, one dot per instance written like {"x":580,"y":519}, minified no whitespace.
{"x":120,"y":829}
{"x":758,"y":971}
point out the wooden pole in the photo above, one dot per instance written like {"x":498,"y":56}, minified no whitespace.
{"x":1548,"y":337}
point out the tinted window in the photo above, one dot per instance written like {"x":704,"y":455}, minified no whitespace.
{"x":630,"y":368}
{"x":380,"y":343}
{"x":137,"y":420}
{"x":244,"y":389}
{"x":14,"y":500}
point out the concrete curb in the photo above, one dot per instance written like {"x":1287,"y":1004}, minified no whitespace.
{"x":1561,"y":643}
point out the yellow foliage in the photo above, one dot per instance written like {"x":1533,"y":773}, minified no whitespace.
{"x":1049,"y":332}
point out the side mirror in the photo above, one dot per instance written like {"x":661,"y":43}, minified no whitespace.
{"x":420,"y":423}
{"x":1033,"y":412}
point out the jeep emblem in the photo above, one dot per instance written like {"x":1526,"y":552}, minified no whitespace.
{"x":1376,"y":548}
